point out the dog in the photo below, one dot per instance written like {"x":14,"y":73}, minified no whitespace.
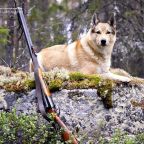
{"x":89,"y":55}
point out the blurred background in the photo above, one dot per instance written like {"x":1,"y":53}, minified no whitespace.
{"x":62,"y":21}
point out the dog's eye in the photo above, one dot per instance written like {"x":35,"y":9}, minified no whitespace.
{"x":93,"y":31}
{"x":98,"y":32}
{"x":108,"y":32}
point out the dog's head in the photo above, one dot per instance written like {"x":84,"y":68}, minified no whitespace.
{"x":102,"y":35}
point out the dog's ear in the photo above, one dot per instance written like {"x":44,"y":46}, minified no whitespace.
{"x":94,"y":20}
{"x":112,"y":21}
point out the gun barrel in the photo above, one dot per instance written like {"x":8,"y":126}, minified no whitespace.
{"x":25,"y":29}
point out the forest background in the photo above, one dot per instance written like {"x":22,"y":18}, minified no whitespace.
{"x":62,"y":21}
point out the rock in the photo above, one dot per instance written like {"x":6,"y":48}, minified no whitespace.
{"x":95,"y":111}
{"x":107,"y":117}
{"x":84,"y":113}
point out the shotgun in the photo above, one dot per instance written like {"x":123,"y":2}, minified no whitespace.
{"x":45,"y":103}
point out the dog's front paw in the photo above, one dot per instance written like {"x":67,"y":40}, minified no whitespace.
{"x":117,"y":77}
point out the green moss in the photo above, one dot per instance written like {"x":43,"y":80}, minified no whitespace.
{"x":104,"y":90}
{"x":18,"y":85}
{"x":77,"y":85}
{"x":29,"y":84}
{"x":20,"y":81}
{"x":84,"y":84}
{"x":76,"y":76}
{"x":79,"y":80}
{"x":55,"y":85}
{"x":15,"y":86}
{"x":94,"y":79}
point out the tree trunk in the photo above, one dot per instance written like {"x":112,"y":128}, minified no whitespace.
{"x":20,"y":44}
{"x":10,"y":45}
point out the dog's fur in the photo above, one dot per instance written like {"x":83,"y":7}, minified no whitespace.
{"x":91,"y":54}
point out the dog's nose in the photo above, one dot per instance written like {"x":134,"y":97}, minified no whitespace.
{"x":103,"y":42}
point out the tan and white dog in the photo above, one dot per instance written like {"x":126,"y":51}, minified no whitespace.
{"x":90,"y":54}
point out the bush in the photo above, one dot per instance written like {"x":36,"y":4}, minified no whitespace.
{"x":15,"y":129}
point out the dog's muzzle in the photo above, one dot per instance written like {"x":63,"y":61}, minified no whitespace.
{"x":103,"y":42}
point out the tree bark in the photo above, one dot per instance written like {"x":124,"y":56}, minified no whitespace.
{"x":10,"y":45}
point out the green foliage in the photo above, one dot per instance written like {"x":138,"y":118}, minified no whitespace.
{"x":78,"y":80}
{"x":56,"y":79}
{"x":140,"y":138}
{"x":130,"y":13}
{"x":36,"y":14}
{"x":4,"y":32}
{"x":94,"y":6}
{"x":15,"y":86}
{"x":20,"y":128}
{"x":104,"y":90}
{"x":120,"y":137}
{"x":59,"y":79}
{"x":47,"y":26}
{"x":77,"y":76}
{"x":55,"y":85}
{"x":29,"y":84}
{"x":55,"y":7}
{"x":75,"y":34}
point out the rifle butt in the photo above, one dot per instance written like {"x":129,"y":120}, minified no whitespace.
{"x":66,"y":134}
